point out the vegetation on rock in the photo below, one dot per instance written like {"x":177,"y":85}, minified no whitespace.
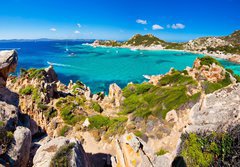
{"x":210,"y":87}
{"x":97,"y":107}
{"x":145,"y":99}
{"x":63,"y":156}
{"x":68,"y":107}
{"x":210,"y":149}
{"x":144,"y":40}
{"x":6,"y":137}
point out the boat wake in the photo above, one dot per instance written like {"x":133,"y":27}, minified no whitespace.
{"x":57,"y":64}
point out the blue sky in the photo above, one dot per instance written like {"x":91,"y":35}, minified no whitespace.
{"x":171,"y":20}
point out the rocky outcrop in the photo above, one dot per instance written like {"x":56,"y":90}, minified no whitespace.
{"x":50,"y":152}
{"x":20,"y":149}
{"x":131,"y":151}
{"x":8,"y":115}
{"x":8,"y":63}
{"x":115,"y":94}
{"x":203,"y":43}
{"x":216,"y":111}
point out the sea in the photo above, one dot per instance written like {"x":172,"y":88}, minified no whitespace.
{"x":99,"y":67}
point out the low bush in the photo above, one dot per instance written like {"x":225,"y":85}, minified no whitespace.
{"x":68,"y":106}
{"x":210,"y":87}
{"x":206,"y":149}
{"x":63,"y":156}
{"x":97,"y":107}
{"x":208,"y":60}
{"x":161,"y":152}
{"x":98,"y":121}
{"x":50,"y":113}
{"x":64,"y":130}
{"x":28,"y":90}
{"x":155,"y":100}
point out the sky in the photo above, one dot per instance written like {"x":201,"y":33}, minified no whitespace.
{"x":171,"y":20}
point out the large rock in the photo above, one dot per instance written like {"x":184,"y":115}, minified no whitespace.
{"x":8,"y":64}
{"x":48,"y":150}
{"x":115,"y":94}
{"x":8,"y":115}
{"x":131,"y":151}
{"x":51,"y":75}
{"x":216,"y":111}
{"x":20,"y":149}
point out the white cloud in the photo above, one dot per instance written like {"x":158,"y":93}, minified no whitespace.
{"x":76,"y":32}
{"x":168,"y":26}
{"x":79,"y":25}
{"x":157,"y":27}
{"x":140,"y":21}
{"x":53,"y":29}
{"x":178,"y":26}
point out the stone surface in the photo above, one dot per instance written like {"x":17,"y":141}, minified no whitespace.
{"x":115,"y":94}
{"x":172,"y":116}
{"x":8,"y":64}
{"x":20,"y":149}
{"x":47,"y":151}
{"x":217,"y":110}
{"x":51,"y":75}
{"x":8,"y":115}
{"x":131,"y":151}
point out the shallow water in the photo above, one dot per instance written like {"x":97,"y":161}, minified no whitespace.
{"x":99,"y":67}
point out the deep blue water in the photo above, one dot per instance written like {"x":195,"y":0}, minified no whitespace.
{"x":99,"y":67}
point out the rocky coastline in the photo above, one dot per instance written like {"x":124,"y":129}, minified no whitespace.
{"x":212,"y":46}
{"x":48,"y":123}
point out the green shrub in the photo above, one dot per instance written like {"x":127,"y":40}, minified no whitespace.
{"x":205,"y":149}
{"x":67,"y":107}
{"x":138,"y":133}
{"x":208,"y":60}
{"x":42,"y":106}
{"x":28,"y":90}
{"x":6,"y":137}
{"x":156,"y":101}
{"x":176,"y":78}
{"x":210,"y":87}
{"x":116,"y":126}
{"x":35,"y":73}
{"x":63,"y":156}
{"x":161,"y":152}
{"x":64,"y":130}
{"x":98,"y":121}
{"x":50,"y":113}
{"x":97,"y":107}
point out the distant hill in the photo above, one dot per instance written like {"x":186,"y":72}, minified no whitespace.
{"x":227,"y":44}
{"x":144,"y":40}
{"x":219,"y":45}
{"x":233,"y":38}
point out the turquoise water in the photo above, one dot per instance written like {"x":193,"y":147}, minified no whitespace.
{"x":99,"y":67}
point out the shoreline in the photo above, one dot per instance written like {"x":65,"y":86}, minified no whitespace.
{"x":229,"y":57}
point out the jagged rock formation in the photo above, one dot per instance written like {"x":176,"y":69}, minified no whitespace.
{"x":132,"y":151}
{"x":20,"y":149}
{"x":204,"y":43}
{"x":18,"y":129}
{"x":216,"y":111}
{"x":50,"y":154}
